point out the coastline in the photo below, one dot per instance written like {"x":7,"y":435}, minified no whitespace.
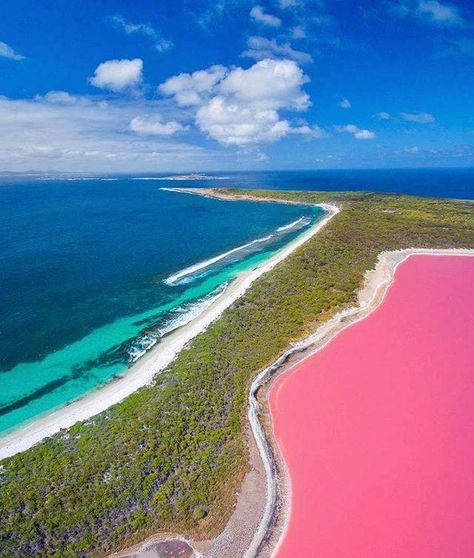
{"x":268,"y":478}
{"x":377,"y":282}
{"x":155,"y":360}
{"x":265,"y":496}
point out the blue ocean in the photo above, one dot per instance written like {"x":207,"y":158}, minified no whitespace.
{"x":96,"y":270}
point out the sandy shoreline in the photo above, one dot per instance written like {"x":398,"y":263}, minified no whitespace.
{"x":263,"y":504}
{"x":370,"y":296}
{"x":268,"y":479}
{"x":143,"y":372}
{"x":265,"y":493}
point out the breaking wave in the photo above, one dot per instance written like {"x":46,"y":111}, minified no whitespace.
{"x":188,"y":273}
{"x":191,"y":270}
{"x":176,"y":318}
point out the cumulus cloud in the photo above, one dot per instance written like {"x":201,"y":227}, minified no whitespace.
{"x":154,"y":126}
{"x":345,"y":104}
{"x":192,"y":89}
{"x":7,"y":51}
{"x":236,"y":124}
{"x":418,"y":117}
{"x":118,"y":75}
{"x":357,"y":132}
{"x":258,"y":14}
{"x":310,"y":131}
{"x":259,"y":48}
{"x":274,"y":84}
{"x":428,"y":11}
{"x":240,"y":106}
{"x":160,"y":43}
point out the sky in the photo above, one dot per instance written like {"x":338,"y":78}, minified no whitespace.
{"x":194,"y":85}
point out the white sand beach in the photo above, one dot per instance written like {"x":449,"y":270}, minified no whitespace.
{"x":144,"y":370}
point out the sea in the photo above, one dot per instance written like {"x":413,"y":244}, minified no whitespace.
{"x":96,"y":270}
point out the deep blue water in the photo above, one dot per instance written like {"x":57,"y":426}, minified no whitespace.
{"x":448,"y":183}
{"x":83,"y":286}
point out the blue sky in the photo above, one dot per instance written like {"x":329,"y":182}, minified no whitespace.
{"x":179,"y":85}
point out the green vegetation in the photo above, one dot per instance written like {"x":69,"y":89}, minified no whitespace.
{"x":171,"y":455}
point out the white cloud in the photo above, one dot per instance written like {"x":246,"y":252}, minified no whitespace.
{"x":241,"y":106}
{"x":419,"y":117}
{"x":258,"y":14}
{"x":290,"y":3}
{"x":261,"y":47}
{"x":428,"y":11}
{"x":7,"y":51}
{"x":382,"y":115}
{"x":118,"y":75}
{"x":192,"y":89}
{"x":274,"y":84}
{"x":237,"y":124}
{"x":160,"y":43}
{"x":358,"y":133}
{"x":298,"y":32}
{"x":345,"y":104}
{"x":439,"y":12}
{"x":153,"y":126}
{"x":310,"y":131}
{"x":59,"y":97}
{"x":66,"y":132}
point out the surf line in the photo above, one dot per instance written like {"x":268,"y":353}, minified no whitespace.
{"x":207,"y":263}
{"x":173,"y":279}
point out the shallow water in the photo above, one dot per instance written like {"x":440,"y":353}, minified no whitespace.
{"x":83,"y":290}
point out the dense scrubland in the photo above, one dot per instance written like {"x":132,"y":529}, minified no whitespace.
{"x":170,"y":457}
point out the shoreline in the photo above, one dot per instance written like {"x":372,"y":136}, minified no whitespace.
{"x":377,"y":284}
{"x":270,"y":516}
{"x":371,"y":295}
{"x":155,"y":360}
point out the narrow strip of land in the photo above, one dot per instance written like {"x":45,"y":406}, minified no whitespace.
{"x":275,"y":511}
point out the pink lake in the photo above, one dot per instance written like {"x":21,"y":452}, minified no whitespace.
{"x":377,"y":429}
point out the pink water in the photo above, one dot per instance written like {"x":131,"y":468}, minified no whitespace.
{"x":377,"y":429}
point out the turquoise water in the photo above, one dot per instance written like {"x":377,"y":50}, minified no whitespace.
{"x":85,"y":278}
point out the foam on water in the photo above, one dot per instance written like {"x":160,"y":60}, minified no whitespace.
{"x":178,"y":317}
{"x":189,"y":273}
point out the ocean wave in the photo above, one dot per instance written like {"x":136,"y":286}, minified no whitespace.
{"x":301,"y":222}
{"x":191,"y":270}
{"x":188,"y":273}
{"x":177,"y":318}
